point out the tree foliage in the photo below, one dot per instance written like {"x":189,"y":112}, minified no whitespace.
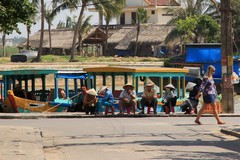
{"x":13,"y":12}
{"x":236,"y":23}
{"x":190,"y":9}
{"x":199,"y":28}
{"x":142,"y":17}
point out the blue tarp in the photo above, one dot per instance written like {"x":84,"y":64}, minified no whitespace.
{"x":209,"y":54}
{"x":203,"y":53}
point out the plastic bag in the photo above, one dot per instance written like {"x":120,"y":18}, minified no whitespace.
{"x":234,"y":78}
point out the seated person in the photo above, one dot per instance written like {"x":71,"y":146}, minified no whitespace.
{"x":149,"y":98}
{"x":18,"y":91}
{"x":107,"y":99}
{"x":169,"y":99}
{"x":78,"y":102}
{"x":90,"y":101}
{"x":190,"y":105}
{"x":127,"y":97}
{"x":30,"y":95}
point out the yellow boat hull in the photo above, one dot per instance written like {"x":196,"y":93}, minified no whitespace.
{"x":17,"y":104}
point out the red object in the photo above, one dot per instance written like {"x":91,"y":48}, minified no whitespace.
{"x":109,"y":109}
{"x":149,"y":110}
{"x":167,"y":110}
{"x":13,"y":103}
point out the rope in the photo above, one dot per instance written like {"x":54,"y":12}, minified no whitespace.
{"x":61,"y":103}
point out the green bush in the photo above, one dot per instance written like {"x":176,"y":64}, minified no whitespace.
{"x":9,"y":51}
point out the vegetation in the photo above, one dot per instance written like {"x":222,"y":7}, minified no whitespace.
{"x":141,"y":18}
{"x":199,"y":28}
{"x":13,"y":12}
{"x":192,"y":8}
{"x":9,"y":51}
{"x":57,"y":59}
{"x":236,"y":24}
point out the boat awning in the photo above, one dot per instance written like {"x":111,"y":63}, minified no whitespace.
{"x":135,"y":69}
{"x":27,"y":72}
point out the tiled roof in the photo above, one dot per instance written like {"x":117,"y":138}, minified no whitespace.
{"x":163,"y":2}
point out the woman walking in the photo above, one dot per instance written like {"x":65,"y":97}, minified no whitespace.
{"x":209,"y":91}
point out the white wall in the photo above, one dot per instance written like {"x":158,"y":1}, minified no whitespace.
{"x":135,"y":2}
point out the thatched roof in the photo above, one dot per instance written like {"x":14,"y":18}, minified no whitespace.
{"x":149,"y":33}
{"x":61,"y":38}
{"x":120,"y":34}
{"x":153,"y":33}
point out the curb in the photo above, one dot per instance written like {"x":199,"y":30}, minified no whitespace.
{"x":82,"y":115}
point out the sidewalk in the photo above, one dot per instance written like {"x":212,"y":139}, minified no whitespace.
{"x":20,"y":143}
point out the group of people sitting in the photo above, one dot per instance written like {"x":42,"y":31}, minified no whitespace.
{"x":92,"y":102}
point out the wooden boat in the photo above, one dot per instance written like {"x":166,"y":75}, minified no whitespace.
{"x":17,"y":104}
{"x":40,"y":101}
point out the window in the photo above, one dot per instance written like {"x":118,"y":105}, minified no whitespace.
{"x":153,"y":12}
{"x":134,"y":17}
{"x":167,"y":14}
{"x":122,"y":19}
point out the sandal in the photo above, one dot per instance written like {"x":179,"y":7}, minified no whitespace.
{"x":198,"y":122}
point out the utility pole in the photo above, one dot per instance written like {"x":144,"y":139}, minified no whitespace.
{"x":227,"y":56}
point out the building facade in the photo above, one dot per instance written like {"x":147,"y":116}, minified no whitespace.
{"x":157,"y":11}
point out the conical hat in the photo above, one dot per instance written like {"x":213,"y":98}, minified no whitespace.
{"x":91,"y":92}
{"x":102,"y":88}
{"x":190,"y":85}
{"x":149,"y":84}
{"x":128,"y":84}
{"x":169,"y":86}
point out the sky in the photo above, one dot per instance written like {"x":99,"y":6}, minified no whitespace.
{"x":60,"y":17}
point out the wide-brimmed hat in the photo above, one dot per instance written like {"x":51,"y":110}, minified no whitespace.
{"x":149,"y":84}
{"x":169,"y":86}
{"x":91,"y":92}
{"x":190,"y":85}
{"x":102,"y":88}
{"x":128,"y":84}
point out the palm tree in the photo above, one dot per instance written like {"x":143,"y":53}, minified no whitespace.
{"x":141,"y":18}
{"x":84,"y":28}
{"x":29,"y":25}
{"x":50,"y":14}
{"x":36,"y":2}
{"x":110,"y":12}
{"x":191,"y":8}
{"x":98,"y":4}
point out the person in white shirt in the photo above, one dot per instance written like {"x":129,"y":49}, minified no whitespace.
{"x":127,"y":98}
{"x":149,"y":98}
{"x":169,"y":99}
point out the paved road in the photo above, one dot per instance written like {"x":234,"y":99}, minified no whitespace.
{"x":133,"y":138}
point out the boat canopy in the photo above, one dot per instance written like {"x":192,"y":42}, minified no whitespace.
{"x":156,"y":74}
{"x":10,"y":77}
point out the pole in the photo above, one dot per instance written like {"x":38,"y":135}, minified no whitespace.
{"x":227,"y":60}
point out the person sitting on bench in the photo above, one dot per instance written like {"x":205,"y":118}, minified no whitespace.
{"x":90,"y":101}
{"x":149,"y":97}
{"x":169,"y":99}
{"x":127,"y":98}
{"x":106,"y":99}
